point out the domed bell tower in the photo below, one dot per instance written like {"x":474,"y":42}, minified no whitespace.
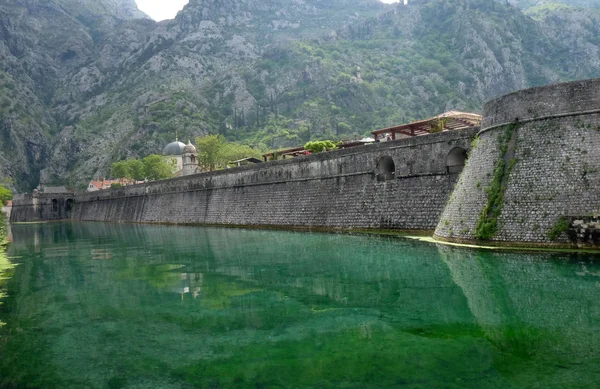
{"x":190,"y":160}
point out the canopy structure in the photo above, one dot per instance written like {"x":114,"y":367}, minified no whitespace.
{"x":244,"y":161}
{"x":293,"y":152}
{"x":451,"y":120}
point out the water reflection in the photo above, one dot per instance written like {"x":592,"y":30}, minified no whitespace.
{"x":154,"y":306}
{"x":6,"y":270}
{"x":540,"y":311}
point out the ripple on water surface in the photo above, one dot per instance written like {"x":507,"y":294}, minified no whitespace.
{"x":130,"y":306}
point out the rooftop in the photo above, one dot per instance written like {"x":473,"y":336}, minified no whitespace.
{"x":451,"y":120}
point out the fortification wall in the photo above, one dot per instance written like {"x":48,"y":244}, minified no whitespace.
{"x":342,"y":188}
{"x":548,"y":140}
{"x":41,"y":207}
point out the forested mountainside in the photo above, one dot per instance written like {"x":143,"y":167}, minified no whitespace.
{"x":83,"y":85}
{"x":525,"y":4}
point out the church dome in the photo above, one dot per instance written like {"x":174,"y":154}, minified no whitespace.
{"x":174,"y":148}
{"x":189,"y":148}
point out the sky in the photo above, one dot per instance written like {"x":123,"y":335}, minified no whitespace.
{"x":167,"y":9}
{"x":161,"y":9}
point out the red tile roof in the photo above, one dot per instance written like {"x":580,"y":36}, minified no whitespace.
{"x":105,"y":184}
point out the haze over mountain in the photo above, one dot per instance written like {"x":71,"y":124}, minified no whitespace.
{"x":87,"y":83}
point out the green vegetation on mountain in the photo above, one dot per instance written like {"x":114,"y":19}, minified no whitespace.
{"x":531,"y":4}
{"x":84,"y":86}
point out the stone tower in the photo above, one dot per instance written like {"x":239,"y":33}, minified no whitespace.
{"x":190,"y":160}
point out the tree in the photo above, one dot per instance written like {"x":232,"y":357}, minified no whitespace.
{"x":137,"y":169}
{"x":158,"y":167}
{"x":5,"y":195}
{"x":319,"y":146}
{"x":209,"y":151}
{"x":214,"y":152}
{"x":121,"y":169}
{"x":152,"y":167}
{"x":233,"y":152}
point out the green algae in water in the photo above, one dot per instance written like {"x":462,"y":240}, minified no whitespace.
{"x":127,"y":306}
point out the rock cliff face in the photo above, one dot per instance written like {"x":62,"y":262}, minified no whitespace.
{"x":86,"y":83}
{"x":45,"y":51}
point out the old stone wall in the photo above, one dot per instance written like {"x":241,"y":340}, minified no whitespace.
{"x":349,"y":188}
{"x":41,"y":207}
{"x":549,"y":141}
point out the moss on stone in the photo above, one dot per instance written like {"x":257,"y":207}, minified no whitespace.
{"x":487,"y":224}
{"x":561,"y":225}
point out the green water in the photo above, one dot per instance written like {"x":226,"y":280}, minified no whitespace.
{"x":130,"y":306}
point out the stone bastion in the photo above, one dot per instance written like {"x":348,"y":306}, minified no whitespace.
{"x":533,"y":173}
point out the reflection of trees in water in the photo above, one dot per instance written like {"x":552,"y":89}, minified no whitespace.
{"x":6,"y":272}
{"x":541,"y":311}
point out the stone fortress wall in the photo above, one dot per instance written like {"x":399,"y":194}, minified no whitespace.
{"x":402,"y":184}
{"x":41,"y":207}
{"x":533,"y":175}
{"x":344,"y":188}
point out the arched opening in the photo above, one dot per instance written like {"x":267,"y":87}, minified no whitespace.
{"x":455,"y":161}
{"x":68,"y":208}
{"x":54,"y":205}
{"x":192,"y":159}
{"x":385,"y":169}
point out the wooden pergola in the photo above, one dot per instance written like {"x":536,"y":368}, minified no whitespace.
{"x":293,"y":152}
{"x":299,"y":151}
{"x":448,"y":121}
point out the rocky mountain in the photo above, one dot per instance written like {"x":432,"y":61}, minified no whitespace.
{"x":83,"y":84}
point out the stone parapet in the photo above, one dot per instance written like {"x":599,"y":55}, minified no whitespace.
{"x":544,"y":102}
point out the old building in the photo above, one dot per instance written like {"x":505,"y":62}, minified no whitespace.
{"x":190,"y":160}
{"x":186,"y":157}
{"x":175,"y":150}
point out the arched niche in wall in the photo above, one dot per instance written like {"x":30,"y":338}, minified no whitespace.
{"x":54,"y":205}
{"x":455,"y":161}
{"x":69,"y":208}
{"x":386,"y":168}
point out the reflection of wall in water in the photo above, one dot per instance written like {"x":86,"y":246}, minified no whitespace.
{"x":514,"y":295}
{"x":412,"y":288}
{"x":404,"y":290}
